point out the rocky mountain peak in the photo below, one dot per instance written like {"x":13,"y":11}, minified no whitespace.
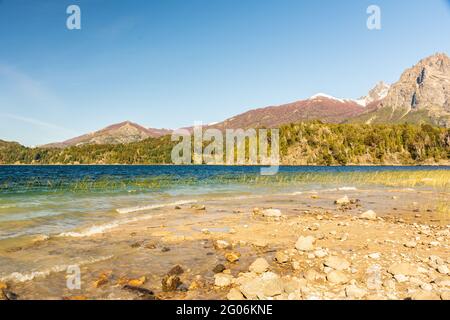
{"x":377,"y":93}
{"x":423,"y":92}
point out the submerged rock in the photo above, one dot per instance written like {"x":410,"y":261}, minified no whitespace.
{"x":143,"y":293}
{"x":137,"y":282}
{"x":177,"y":270}
{"x":232,"y":256}
{"x":199,"y":207}
{"x":219,"y":268}
{"x":170,"y":283}
{"x":222,"y":244}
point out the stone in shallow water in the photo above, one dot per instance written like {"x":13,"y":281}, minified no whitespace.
{"x":369,"y":215}
{"x":176,"y":270}
{"x":199,"y":207}
{"x":342,"y":201}
{"x":219,"y":268}
{"x":222,"y":244}
{"x":137,"y":282}
{"x":232,"y":256}
{"x":170,"y":283}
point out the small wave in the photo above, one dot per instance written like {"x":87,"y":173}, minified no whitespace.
{"x":347,"y":188}
{"x":8,"y":206}
{"x":23,"y":277}
{"x":89,"y":231}
{"x":154,"y":206}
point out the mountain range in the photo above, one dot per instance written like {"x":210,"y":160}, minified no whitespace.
{"x":422,"y":95}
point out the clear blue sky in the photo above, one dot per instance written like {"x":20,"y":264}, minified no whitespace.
{"x":168,"y":63}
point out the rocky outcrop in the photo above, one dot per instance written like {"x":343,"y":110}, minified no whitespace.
{"x":422,"y":95}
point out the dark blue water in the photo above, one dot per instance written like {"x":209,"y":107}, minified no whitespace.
{"x":24,"y":179}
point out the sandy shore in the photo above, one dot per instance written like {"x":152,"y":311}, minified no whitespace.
{"x":372,"y":244}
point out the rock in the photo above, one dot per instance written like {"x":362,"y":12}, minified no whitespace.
{"x":337,"y":277}
{"x":426,"y":286}
{"x":222,"y":244}
{"x":425,"y":295}
{"x":144,"y":294}
{"x":3,"y":285}
{"x":235,"y":294}
{"x":337,"y":263}
{"x":404,"y":269}
{"x":271,"y":213}
{"x":445,"y":295}
{"x":75,"y":298}
{"x":137,"y":282}
{"x":353,"y":291}
{"x":253,"y":288}
{"x":177,"y":208}
{"x":199,"y":207}
{"x":102,"y":280}
{"x":260,"y":243}
{"x":311,"y":275}
{"x":374,"y":256}
{"x":205,"y":231}
{"x":223,"y":280}
{"x":6,"y":294}
{"x":219,"y":268}
{"x":410,"y":244}
{"x":165,"y":249}
{"x":260,"y":265}
{"x":273,"y":287}
{"x":170,"y":283}
{"x":443,"y":269}
{"x":177,"y":270}
{"x":342,"y":201}
{"x":232,"y":256}
{"x":305,"y":243}
{"x":281,"y":257}
{"x":401,"y":278}
{"x":369,"y":215}
{"x":320,"y":253}
{"x":292,"y":284}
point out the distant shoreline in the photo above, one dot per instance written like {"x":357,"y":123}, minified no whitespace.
{"x":224,"y":165}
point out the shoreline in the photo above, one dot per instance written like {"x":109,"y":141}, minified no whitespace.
{"x":230,"y":235}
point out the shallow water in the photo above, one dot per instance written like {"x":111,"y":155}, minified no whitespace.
{"x":71,"y":204}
